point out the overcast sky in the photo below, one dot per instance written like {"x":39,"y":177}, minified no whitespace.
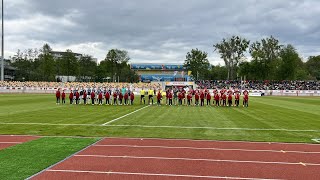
{"x":157,"y":31}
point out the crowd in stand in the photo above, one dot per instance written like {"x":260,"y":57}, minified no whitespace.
{"x":209,"y":84}
{"x":260,"y":85}
{"x":73,"y":85}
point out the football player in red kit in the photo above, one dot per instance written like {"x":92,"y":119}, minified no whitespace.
{"x":189,"y":98}
{"x":197,"y":97}
{"x":208,"y":99}
{"x":217,"y":98}
{"x":63,"y":97}
{"x":115,"y":96}
{"x":245,"y":98}
{"x":159,"y":96}
{"x":170,"y":96}
{"x":126,"y":98}
{"x":77,"y":97}
{"x":120,"y":98}
{"x":58,"y":96}
{"x":107,"y":96}
{"x":93,"y":95}
{"x":100,"y":97}
{"x":230,"y":98}
{"x":180,"y":97}
{"x":224,"y":99}
{"x":132,"y":97}
{"x":71,"y":97}
{"x":84,"y":97}
{"x":202,"y":98}
{"x":237,"y":98}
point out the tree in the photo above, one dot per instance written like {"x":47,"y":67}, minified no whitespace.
{"x":219,"y":72}
{"x":289,"y":63}
{"x":46,"y":66}
{"x":196,"y":61}
{"x":115,"y":66}
{"x":265,"y":56}
{"x":231,"y":50}
{"x":69,"y":64}
{"x":313,"y":66}
{"x":87,"y":68}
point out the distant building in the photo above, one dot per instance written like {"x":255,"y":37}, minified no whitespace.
{"x":160,"y":72}
{"x":9,"y":71}
{"x":59,"y":54}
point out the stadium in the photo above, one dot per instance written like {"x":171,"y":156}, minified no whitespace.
{"x":247,"y":110}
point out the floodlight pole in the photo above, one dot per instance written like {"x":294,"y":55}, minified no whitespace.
{"x":2,"y":58}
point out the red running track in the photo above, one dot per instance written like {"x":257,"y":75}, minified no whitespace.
{"x":11,"y":140}
{"x":116,"y":158}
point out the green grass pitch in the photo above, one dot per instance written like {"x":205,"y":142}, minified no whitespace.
{"x":272,"y":119}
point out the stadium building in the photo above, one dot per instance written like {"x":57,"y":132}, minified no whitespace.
{"x":165,"y":74}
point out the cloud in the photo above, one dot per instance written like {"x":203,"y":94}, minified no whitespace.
{"x":161,"y":31}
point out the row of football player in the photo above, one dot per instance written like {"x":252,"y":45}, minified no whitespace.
{"x":128,"y":98}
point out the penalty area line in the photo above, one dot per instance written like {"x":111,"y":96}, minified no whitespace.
{"x":109,"y":122}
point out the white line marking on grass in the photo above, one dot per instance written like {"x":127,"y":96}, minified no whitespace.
{"x":215,"y":149}
{"x":316,"y":140}
{"x":207,"y":160}
{"x":125,"y":115}
{"x":173,"y":127}
{"x":154,"y":174}
{"x":214,"y":128}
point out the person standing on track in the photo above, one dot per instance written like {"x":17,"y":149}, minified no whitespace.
{"x":58,"y":96}
{"x":224,"y":99}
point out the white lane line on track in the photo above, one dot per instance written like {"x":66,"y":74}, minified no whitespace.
{"x":11,"y":142}
{"x":215,"y":149}
{"x":172,"y":127}
{"x":191,"y":159}
{"x":154,"y":174}
{"x":208,"y":140}
{"x":109,"y":122}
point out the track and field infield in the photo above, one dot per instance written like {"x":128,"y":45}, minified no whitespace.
{"x":136,"y":158}
{"x":11,"y":140}
{"x":268,"y":119}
